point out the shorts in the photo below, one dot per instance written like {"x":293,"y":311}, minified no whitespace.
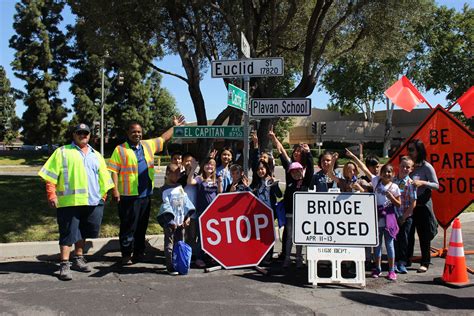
{"x":79,"y":222}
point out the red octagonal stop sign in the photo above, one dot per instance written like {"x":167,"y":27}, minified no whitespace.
{"x":237,"y":230}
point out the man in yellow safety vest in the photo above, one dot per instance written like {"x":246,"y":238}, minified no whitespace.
{"x":133,"y":173}
{"x":77,"y":181}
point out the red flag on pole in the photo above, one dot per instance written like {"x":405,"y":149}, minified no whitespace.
{"x":466,"y":101}
{"x":404,"y":94}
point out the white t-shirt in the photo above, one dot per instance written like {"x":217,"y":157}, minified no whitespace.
{"x":380,"y":189}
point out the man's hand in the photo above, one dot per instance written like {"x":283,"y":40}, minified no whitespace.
{"x":53,"y":203}
{"x":179,"y":120}
{"x":116,"y":195}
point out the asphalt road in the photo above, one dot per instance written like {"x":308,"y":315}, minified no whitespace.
{"x":28,"y":286}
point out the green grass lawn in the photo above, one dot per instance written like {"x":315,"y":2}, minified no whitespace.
{"x":23,"y":158}
{"x":26,"y":216}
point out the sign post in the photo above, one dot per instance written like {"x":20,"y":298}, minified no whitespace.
{"x":237,"y":230}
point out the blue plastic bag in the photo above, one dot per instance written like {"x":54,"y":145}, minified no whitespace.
{"x":182,"y":253}
{"x":280,"y":213}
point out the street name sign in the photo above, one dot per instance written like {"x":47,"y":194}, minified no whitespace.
{"x":450,"y":150}
{"x":280,"y":107}
{"x":338,"y":219}
{"x":255,"y":67}
{"x":200,"y":131}
{"x":237,"y":98}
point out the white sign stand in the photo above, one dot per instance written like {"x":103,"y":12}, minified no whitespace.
{"x":336,"y":255}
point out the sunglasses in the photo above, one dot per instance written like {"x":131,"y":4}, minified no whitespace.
{"x":82,"y":133}
{"x":411,"y":149}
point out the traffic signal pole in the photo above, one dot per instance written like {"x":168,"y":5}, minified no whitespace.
{"x":102,"y":102}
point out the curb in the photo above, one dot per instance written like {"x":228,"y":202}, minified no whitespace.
{"x":11,"y":251}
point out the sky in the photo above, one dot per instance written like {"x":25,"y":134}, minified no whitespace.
{"x":214,"y":91}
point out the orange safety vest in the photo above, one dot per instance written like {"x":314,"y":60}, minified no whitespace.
{"x":125,"y":163}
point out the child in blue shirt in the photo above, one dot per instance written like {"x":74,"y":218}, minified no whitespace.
{"x":174,"y":214}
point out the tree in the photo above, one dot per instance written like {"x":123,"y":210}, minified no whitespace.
{"x":444,"y":56}
{"x":41,"y":61}
{"x":9,"y":122}
{"x":139,"y":98}
{"x":310,"y":35}
{"x":357,"y":81}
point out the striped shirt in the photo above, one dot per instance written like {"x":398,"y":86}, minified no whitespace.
{"x":408,"y":193}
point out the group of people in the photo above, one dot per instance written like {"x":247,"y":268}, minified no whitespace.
{"x":78,"y":179}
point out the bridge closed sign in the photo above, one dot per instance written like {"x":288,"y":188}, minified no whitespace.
{"x":342,"y":219}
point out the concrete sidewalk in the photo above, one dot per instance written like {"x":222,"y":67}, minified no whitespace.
{"x":14,"y":251}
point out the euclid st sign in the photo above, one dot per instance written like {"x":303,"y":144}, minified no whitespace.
{"x":255,"y":67}
{"x":343,"y":219}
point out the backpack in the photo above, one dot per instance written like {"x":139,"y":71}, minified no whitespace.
{"x":182,"y":257}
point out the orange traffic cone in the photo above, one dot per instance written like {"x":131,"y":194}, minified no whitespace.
{"x":455,"y":271}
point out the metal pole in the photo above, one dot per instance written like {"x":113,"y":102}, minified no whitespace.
{"x":246,"y":126}
{"x":102,"y":113}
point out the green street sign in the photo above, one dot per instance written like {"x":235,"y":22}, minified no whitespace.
{"x":230,"y":132}
{"x":237,"y":98}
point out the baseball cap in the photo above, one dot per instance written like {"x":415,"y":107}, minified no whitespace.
{"x":294,"y":166}
{"x":82,"y":127}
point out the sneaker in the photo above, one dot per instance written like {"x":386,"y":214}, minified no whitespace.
{"x":396,"y":267}
{"x":65,"y":271}
{"x":200,"y":263}
{"x":126,"y":260}
{"x":422,"y":269}
{"x":79,"y":263}
{"x":402,"y":269}
{"x":376,"y":273}
{"x":299,"y":263}
{"x":392,"y":275}
{"x":140,"y":257}
{"x":172,"y":272}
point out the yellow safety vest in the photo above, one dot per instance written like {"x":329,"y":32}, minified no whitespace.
{"x":65,"y":168}
{"x":125,"y":163}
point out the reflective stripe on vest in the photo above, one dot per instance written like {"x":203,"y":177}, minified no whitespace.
{"x":125,"y":170}
{"x":49,"y":173}
{"x":147,"y":147}
{"x":67,"y":191}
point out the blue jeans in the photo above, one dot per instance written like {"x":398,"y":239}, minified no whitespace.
{"x":389,"y":244}
{"x":403,"y":247}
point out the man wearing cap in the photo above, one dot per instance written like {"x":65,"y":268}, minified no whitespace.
{"x":77,"y":181}
{"x":133,"y":173}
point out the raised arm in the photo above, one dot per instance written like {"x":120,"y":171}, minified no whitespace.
{"x":177,"y":121}
{"x":359,"y":164}
{"x":191,"y":180}
{"x":277,"y":144}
